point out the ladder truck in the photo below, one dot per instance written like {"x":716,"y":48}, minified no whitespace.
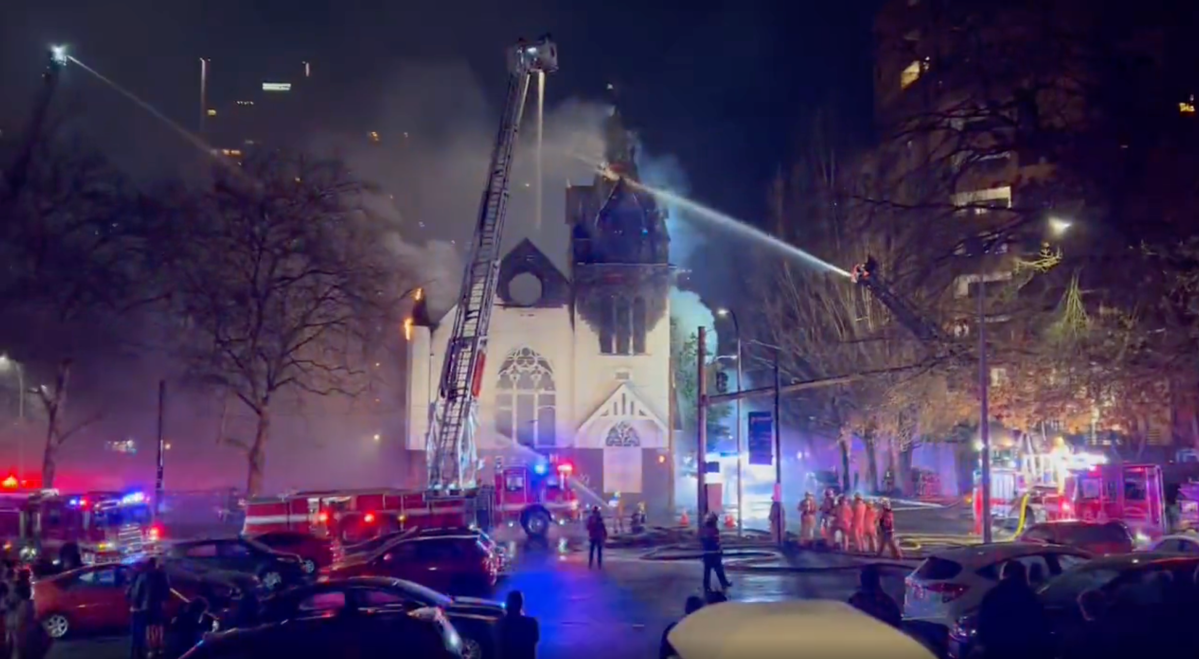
{"x":450,"y":444}
{"x":18,"y":173}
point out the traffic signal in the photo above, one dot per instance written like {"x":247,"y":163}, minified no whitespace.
{"x":722,"y":382}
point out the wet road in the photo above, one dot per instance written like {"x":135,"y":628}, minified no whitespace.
{"x":618,"y":612}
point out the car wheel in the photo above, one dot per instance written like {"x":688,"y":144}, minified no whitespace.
{"x":309,"y":566}
{"x":271,"y":579}
{"x":471,"y":649}
{"x":56,"y":625}
{"x":537,"y":524}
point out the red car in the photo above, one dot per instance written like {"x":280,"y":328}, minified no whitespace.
{"x":315,"y":553}
{"x":92,"y":599}
{"x":461,"y":565}
{"x":1099,"y":539}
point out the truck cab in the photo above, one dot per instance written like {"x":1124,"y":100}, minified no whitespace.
{"x":67,"y":531}
{"x":536,"y":496}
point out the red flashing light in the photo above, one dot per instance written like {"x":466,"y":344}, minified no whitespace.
{"x":369,"y":518}
{"x":155,"y":533}
{"x":83,"y":502}
{"x":10,"y":483}
{"x":566,"y":468}
{"x":323,"y":518}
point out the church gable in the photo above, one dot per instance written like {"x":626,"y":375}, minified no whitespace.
{"x":625,"y":411}
{"x":528,"y":278}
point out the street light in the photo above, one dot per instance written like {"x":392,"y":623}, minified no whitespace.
{"x":1059,"y":226}
{"x":728,"y":313}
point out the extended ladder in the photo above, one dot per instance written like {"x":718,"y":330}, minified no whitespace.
{"x":450,"y":445}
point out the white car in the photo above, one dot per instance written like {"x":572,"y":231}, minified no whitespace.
{"x":1179,"y":543}
{"x":952,"y":582}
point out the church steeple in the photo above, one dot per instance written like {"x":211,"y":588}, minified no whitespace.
{"x":620,"y":154}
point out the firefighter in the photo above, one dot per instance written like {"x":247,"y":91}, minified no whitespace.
{"x":886,"y":531}
{"x":807,"y":519}
{"x":844,"y":521}
{"x":827,"y":508}
{"x":870,"y":527}
{"x":859,"y":523}
{"x":597,"y":534}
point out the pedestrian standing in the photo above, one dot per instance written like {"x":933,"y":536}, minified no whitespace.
{"x":597,"y":534}
{"x":150,"y":592}
{"x":859,"y":523}
{"x":137,"y":616}
{"x":518,"y":634}
{"x":694,"y":603}
{"x":886,"y":531}
{"x":807,"y":519}
{"x":709,"y":538}
{"x":844,"y":520}
{"x":29,"y":639}
{"x":1012,"y":621}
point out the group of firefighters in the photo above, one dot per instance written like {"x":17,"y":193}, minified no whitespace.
{"x":848,"y":524}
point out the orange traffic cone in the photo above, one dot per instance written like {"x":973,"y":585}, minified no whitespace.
{"x":729,"y":522}
{"x":684,"y":520}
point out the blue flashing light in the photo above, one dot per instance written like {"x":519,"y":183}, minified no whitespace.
{"x":540,"y":468}
{"x":133,"y":498}
{"x":75,"y":503}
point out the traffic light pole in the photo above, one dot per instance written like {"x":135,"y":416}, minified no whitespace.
{"x":777,"y":510}
{"x":701,"y":420}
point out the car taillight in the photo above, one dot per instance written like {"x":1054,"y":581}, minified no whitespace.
{"x":948,"y":591}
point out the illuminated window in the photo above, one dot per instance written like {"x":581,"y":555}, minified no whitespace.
{"x":236,"y":153}
{"x":1187,"y":106}
{"x":982,"y":201}
{"x":911,"y":73}
{"x":245,"y":102}
{"x":374,"y":137}
{"x":211,"y":112}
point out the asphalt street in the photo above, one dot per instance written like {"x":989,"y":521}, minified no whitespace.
{"x":618,"y":612}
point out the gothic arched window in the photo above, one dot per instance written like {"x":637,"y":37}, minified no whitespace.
{"x":525,"y":402}
{"x":622,"y":435}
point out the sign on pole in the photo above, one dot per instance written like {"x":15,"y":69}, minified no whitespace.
{"x":761,"y":438}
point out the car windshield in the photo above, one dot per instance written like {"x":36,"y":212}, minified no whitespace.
{"x":1065,"y":589}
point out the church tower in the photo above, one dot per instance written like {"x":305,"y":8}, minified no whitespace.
{"x":620,"y":279}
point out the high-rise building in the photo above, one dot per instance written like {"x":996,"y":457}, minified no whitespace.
{"x":240,"y":117}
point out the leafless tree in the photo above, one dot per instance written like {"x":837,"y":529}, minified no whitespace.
{"x":282,"y":287}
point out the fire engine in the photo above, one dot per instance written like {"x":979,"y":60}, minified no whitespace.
{"x":1129,"y":493}
{"x":534,"y":497}
{"x":73,"y":530}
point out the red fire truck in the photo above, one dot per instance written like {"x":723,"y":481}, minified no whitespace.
{"x":534,"y":496}
{"x":73,"y":530}
{"x":1129,"y":493}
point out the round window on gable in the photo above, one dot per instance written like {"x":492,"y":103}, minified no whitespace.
{"x":525,"y":289}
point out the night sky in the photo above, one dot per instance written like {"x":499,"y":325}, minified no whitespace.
{"x":722,"y":86}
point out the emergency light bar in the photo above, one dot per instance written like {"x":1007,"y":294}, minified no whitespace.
{"x":133,"y":498}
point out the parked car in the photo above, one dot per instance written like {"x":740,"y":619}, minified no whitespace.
{"x":324,"y":632}
{"x":454,"y":564}
{"x":92,"y":599}
{"x":1179,"y":543}
{"x":952,"y":582}
{"x":314,"y":552}
{"x":474,"y":619}
{"x":1098,"y":539}
{"x":274,"y":569}
{"x":1108,"y":574}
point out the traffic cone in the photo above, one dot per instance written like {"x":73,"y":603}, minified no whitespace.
{"x":729,"y":522}
{"x":684,"y":520}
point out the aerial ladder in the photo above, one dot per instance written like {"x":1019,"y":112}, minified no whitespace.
{"x":867,"y":276}
{"x":450,"y":445}
{"x":18,"y":172}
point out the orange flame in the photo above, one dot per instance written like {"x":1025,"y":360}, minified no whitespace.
{"x":407,"y":329}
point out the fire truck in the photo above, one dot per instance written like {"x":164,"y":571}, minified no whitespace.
{"x":534,"y":496}
{"x":46,"y":526}
{"x":1130,"y":493}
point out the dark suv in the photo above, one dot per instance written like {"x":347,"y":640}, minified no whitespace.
{"x":274,"y":569}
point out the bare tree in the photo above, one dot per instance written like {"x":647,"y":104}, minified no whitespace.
{"x":73,"y":247}
{"x":283,"y":287}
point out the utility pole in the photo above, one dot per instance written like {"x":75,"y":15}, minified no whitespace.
{"x":158,"y":479}
{"x":984,"y":425}
{"x":203,"y":96}
{"x":701,"y":419}
{"x":776,"y":504}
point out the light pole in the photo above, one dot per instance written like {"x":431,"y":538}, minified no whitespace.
{"x":737,"y":434}
{"x":984,"y":429}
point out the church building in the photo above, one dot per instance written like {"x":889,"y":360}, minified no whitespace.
{"x":580,"y":371}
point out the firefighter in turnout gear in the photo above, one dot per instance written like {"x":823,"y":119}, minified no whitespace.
{"x":807,"y":519}
{"x":859,"y":523}
{"x":870,"y":528}
{"x":886,"y":531}
{"x":844,"y":522}
{"x":827,"y":509}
